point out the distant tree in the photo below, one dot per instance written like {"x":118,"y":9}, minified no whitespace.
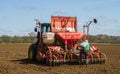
{"x":31,"y":34}
{"x":32,"y":37}
{"x":5,"y":39}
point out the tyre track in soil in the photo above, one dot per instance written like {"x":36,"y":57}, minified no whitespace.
{"x":13,"y":60}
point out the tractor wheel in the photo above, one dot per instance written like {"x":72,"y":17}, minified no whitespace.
{"x":32,"y":52}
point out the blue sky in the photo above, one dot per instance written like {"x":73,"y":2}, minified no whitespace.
{"x":17,"y":16}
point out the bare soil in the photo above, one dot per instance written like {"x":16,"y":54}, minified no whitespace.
{"x":13,"y":60}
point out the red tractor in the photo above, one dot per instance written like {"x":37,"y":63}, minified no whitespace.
{"x":58,"y":42}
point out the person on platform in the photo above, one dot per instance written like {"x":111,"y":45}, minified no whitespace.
{"x":85,"y":47}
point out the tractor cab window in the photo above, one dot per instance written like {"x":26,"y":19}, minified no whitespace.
{"x":46,"y":27}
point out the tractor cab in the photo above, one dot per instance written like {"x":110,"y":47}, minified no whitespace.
{"x":47,"y":36}
{"x":45,"y":27}
{"x":44,"y":34}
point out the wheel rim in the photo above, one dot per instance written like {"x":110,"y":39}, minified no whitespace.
{"x":30,"y":54}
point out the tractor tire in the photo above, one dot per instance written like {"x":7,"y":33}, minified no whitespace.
{"x":32,"y":52}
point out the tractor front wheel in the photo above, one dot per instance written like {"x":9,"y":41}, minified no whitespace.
{"x":32,"y":52}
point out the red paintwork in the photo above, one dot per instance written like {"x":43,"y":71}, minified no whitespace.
{"x":94,"y":48}
{"x":70,"y":37}
{"x":62,"y":23}
{"x":65,"y":28}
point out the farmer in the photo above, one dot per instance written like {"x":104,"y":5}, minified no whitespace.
{"x":85,"y":50}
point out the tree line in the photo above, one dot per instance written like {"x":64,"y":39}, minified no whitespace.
{"x":102,"y":38}
{"x":17,"y":39}
{"x":31,"y":38}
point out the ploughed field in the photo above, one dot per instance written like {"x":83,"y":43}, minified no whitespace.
{"x":13,"y":60}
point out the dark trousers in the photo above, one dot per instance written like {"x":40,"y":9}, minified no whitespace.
{"x":85,"y":53}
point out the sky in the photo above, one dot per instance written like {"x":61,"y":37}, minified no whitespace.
{"x":17,"y":16}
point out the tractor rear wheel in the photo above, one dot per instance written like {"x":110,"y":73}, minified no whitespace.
{"x":32,"y":52}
